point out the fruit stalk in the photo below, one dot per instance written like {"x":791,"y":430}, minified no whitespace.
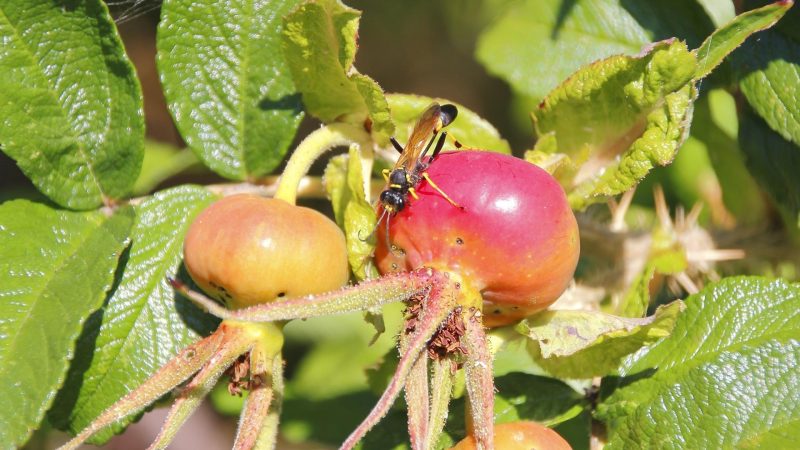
{"x":368,"y":294}
{"x":310,"y":149}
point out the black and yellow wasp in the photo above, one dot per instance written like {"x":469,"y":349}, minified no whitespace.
{"x":411,"y":167}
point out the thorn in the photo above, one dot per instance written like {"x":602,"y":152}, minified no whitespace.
{"x":176,"y":284}
{"x":686,"y":283}
{"x":727,"y":254}
{"x":662,"y":210}
{"x":620,"y":210}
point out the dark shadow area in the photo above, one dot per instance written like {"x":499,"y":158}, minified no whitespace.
{"x":772,"y":160}
{"x":564,"y":11}
{"x":291,"y":102}
{"x":664,"y":19}
{"x":85,"y":347}
{"x":70,"y":5}
{"x":331,"y":420}
{"x":612,"y":383}
{"x":195,"y":318}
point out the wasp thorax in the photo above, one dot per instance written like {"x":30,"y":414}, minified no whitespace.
{"x":399,"y":178}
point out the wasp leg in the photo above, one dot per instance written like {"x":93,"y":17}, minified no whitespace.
{"x":439,"y":146}
{"x":456,"y":142}
{"x":440,"y":191}
{"x":413,"y":193}
{"x":428,"y":147}
{"x":396,"y":145}
{"x":386,"y":173}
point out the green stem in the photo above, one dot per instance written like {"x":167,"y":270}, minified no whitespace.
{"x":441,"y":391}
{"x":269,"y":428}
{"x":417,"y":399}
{"x":480,"y":383}
{"x":314,"y":145}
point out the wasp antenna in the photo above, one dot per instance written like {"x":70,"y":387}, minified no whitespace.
{"x":374,"y":229}
{"x":396,"y":145}
{"x":389,"y":245}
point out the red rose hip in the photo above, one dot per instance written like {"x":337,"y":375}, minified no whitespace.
{"x":515,"y":240}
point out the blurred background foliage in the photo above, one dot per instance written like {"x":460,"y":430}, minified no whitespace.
{"x":499,"y":58}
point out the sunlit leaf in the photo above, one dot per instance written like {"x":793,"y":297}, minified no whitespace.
{"x":55,"y":269}
{"x":227,"y":82}
{"x":70,"y":103}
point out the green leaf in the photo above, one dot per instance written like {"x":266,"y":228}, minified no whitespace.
{"x":750,"y":394}
{"x":733,"y":352}
{"x":161,"y":162}
{"x":768,"y":70}
{"x":730,"y":36}
{"x":469,"y":128}
{"x":541,"y":399}
{"x":55,"y":269}
{"x":70,"y":101}
{"x":143,"y":322}
{"x":720,"y":11}
{"x":774,"y":162}
{"x":618,"y":118}
{"x":320,"y":42}
{"x":520,"y":397}
{"x":227,"y":82}
{"x":537,"y":43}
{"x":724,"y":316}
{"x":584,"y":344}
{"x":354,"y":214}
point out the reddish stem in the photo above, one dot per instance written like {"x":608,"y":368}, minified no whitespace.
{"x":368,"y":294}
{"x":194,"y":393}
{"x":256,"y":407}
{"x":438,"y":306}
{"x":178,"y":369}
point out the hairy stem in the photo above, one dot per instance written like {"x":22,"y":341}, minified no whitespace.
{"x":258,"y":402}
{"x":442,"y":377}
{"x":417,"y":399}
{"x":235,"y":344}
{"x":171,"y":374}
{"x":314,"y":145}
{"x":438,"y":306}
{"x":368,"y":294}
{"x":480,"y":384}
{"x":269,"y":428}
